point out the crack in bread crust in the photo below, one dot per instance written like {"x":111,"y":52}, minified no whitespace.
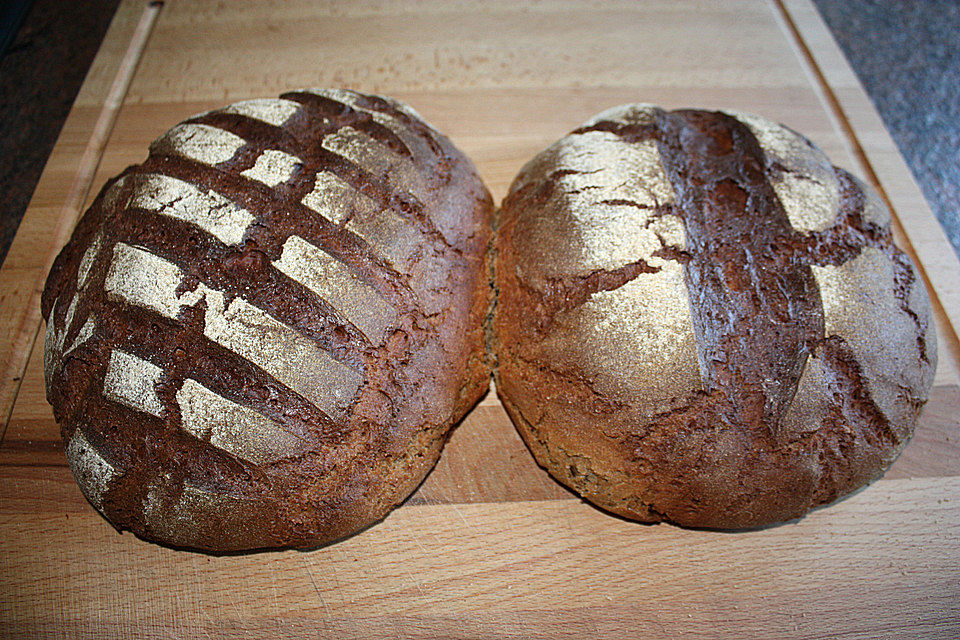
{"x":724,"y":455}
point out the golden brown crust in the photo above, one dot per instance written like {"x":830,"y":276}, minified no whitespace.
{"x":261,"y":336}
{"x":713,"y":326}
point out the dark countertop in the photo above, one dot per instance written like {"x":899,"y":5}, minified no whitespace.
{"x":906,"y":53}
{"x":40,"y":74}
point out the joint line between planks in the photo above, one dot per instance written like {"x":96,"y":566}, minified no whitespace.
{"x":835,"y":108}
{"x":83,"y":180}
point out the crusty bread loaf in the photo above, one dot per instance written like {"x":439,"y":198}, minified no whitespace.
{"x":261,"y":336}
{"x":701,"y":320}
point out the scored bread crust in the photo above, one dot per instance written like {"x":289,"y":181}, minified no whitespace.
{"x":261,"y":336}
{"x":701,"y":320}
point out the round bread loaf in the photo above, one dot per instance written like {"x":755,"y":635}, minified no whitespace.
{"x":701,"y":320}
{"x":261,"y":336}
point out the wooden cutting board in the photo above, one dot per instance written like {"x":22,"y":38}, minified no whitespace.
{"x":489,"y":546}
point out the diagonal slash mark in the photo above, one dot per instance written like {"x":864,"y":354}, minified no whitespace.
{"x":316,"y":588}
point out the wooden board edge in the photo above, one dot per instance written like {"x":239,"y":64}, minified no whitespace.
{"x":22,"y":324}
{"x":881,"y":163}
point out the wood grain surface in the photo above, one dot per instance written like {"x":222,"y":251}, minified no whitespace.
{"x":489,"y":546}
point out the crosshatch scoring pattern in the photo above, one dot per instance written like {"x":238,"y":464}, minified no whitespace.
{"x":222,"y":303}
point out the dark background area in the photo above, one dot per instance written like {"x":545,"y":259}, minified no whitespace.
{"x":907,"y":54}
{"x":41,"y":72}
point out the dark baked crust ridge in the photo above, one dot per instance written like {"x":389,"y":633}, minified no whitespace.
{"x":170,"y":486}
{"x":754,"y":316}
{"x":678,"y":463}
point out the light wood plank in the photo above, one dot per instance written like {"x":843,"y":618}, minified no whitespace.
{"x":875,"y":564}
{"x":459,"y":44}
